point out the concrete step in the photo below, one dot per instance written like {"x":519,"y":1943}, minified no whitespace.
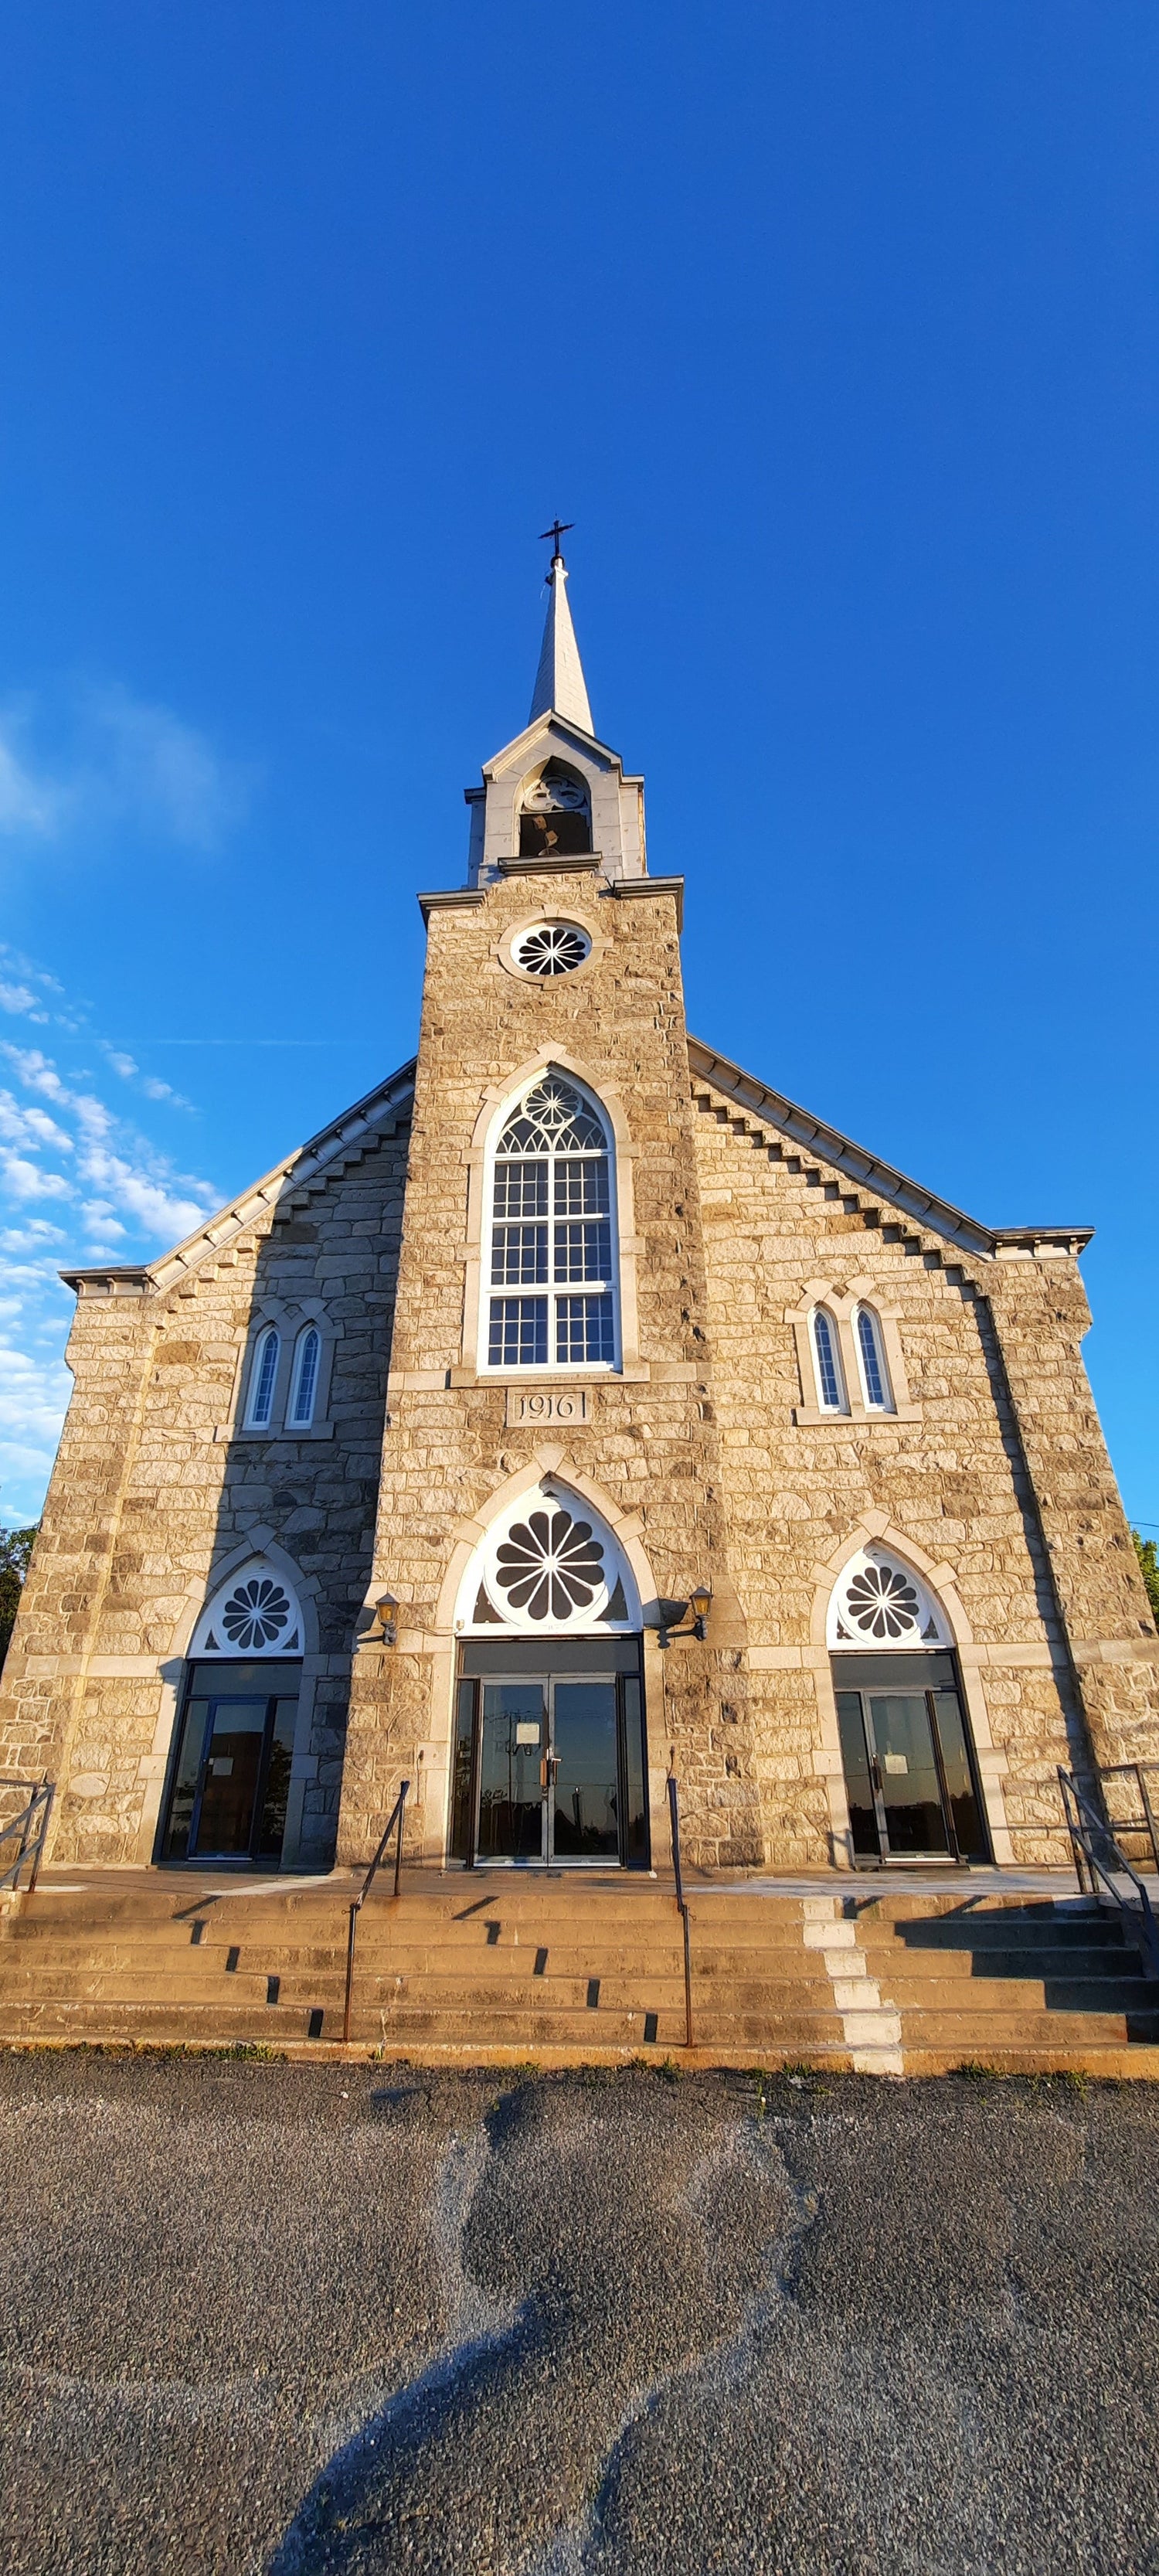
{"x":974,"y":2033}
{"x":798,"y":2030}
{"x":995,"y":1994}
{"x":1065,"y":1960}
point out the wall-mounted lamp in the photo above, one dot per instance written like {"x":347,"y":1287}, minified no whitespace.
{"x":385,"y":1611}
{"x":699,"y":1602}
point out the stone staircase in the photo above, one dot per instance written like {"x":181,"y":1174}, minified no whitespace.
{"x":1021,"y":1987}
{"x":576,"y":1969}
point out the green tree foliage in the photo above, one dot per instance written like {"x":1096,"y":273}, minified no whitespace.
{"x":1148,"y":1555}
{"x":15,"y":1553}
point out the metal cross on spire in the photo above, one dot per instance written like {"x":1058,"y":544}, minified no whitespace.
{"x":559,"y":682}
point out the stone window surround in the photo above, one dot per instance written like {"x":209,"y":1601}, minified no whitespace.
{"x":551,"y":983}
{"x":438,"y":1644}
{"x":154,"y":1768}
{"x":842,"y":1305}
{"x":876,"y":1529}
{"x":498,"y":1101}
{"x":290,"y":1316}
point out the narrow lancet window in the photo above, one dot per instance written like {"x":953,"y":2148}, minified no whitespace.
{"x":875,"y":1374}
{"x":551,"y":1235}
{"x":263,"y":1379}
{"x":829,"y":1386}
{"x":305,"y":1379}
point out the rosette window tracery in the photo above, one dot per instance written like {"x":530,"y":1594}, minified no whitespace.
{"x":552,"y":948}
{"x":255,"y":1614}
{"x":550,"y":1565}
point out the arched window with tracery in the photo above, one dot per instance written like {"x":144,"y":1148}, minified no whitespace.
{"x":550,"y":1267}
{"x":263,"y":1378}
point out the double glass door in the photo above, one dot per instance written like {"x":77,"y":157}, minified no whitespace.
{"x":909,"y":1771}
{"x":231,"y":1780}
{"x":550,"y":1768}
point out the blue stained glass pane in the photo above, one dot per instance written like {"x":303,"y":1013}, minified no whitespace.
{"x":267,"y":1370}
{"x":874,"y":1388}
{"x":583,"y":1330}
{"x":518,"y":1335}
{"x":827,"y":1363}
{"x":303,"y":1406}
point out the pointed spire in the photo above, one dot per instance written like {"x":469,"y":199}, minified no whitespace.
{"x":559,"y":681}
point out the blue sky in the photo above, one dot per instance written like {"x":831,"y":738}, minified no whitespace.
{"x":833,"y":329}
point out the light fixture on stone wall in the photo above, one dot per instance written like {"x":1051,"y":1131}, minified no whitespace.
{"x":700,"y":1603}
{"x":385,"y":1611}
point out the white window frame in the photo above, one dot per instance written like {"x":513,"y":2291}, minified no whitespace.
{"x":551,"y":1290}
{"x":296,"y":1419}
{"x":255,"y":1421}
{"x":826,"y":1403}
{"x":869,"y":1315}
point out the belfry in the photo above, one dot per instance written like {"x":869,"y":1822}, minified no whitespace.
{"x":574,"y":1413}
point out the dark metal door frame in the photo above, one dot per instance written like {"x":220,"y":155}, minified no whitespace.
{"x":242,"y":1698}
{"x":879,"y":1808}
{"x":486,"y":1860}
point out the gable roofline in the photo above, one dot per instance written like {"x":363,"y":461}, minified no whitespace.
{"x":345,"y":1134}
{"x":553,"y":722}
{"x":830,"y":1146}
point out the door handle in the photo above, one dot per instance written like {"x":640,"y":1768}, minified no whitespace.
{"x":547,"y":1770}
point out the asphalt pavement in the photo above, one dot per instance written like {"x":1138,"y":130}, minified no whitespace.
{"x":259,"y":2317}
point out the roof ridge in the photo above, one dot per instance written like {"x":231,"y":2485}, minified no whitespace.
{"x":211,"y":1236}
{"x":924,"y":1206}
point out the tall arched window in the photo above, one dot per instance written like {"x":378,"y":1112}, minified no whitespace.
{"x":263,"y":1378}
{"x":830,"y":1383}
{"x":550,"y":1264}
{"x":305,"y":1381}
{"x":871,"y":1354}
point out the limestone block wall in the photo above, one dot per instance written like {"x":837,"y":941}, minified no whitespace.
{"x":1040,"y":1314}
{"x":158,"y":1490}
{"x":649,"y":1452}
{"x":997,"y":1485}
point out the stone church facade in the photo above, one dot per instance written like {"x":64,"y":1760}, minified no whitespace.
{"x":574,"y":1410}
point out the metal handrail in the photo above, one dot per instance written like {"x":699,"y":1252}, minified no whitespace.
{"x":1087,"y":1831}
{"x":1146,"y":1823}
{"x":395,"y":1818}
{"x":682,"y":1906}
{"x":32,"y":1835}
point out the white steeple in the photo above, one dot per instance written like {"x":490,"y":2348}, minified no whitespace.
{"x":559,"y":681}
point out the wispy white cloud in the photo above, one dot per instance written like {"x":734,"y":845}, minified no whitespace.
{"x":21,"y":1180}
{"x":76,"y":1180}
{"x":130,"y":1071}
{"x":28,"y":803}
{"x":16,"y":998}
{"x":84,"y":760}
{"x":162,"y":772}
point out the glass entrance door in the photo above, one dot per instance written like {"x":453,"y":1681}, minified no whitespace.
{"x":231,"y":1779}
{"x":583,"y":1809}
{"x":908,"y":1770}
{"x":513,"y":1766}
{"x":549,"y":1765}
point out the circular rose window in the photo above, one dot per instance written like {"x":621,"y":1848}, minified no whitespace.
{"x":551,"y":948}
